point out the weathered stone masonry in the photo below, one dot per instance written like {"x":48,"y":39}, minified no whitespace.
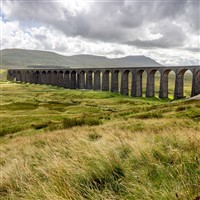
{"x":107,"y":79}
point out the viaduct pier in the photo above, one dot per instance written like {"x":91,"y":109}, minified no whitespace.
{"x":108,"y":79}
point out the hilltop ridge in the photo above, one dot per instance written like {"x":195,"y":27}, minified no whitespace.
{"x":21,"y":58}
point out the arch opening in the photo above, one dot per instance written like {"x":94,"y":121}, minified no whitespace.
{"x":60,"y":79}
{"x":157,"y":77}
{"x":89,"y":80}
{"x":97,"y":80}
{"x":73,"y":80}
{"x":49,"y":77}
{"x":18,"y":76}
{"x":54,"y":78}
{"x":43,"y":77}
{"x":82,"y":79}
{"x":115,"y":81}
{"x":187,"y":83}
{"x":27,"y":77}
{"x":171,"y":84}
{"x":106,"y":80}
{"x":37,"y":77}
{"x":66,"y":80}
{"x":14,"y":76}
{"x":183,"y":84}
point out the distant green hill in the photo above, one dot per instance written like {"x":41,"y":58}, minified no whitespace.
{"x":21,"y":58}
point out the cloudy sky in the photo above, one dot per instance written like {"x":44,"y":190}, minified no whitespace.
{"x":165,"y":30}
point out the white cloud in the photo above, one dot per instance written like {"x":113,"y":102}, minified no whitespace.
{"x":166,"y":31}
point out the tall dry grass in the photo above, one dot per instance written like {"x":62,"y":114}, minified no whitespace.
{"x":105,"y":162}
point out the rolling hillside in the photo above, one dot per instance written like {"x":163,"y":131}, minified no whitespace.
{"x":21,"y":58}
{"x":89,"y":145}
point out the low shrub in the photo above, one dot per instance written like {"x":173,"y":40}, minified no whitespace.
{"x":181,"y":108}
{"x":149,"y":115}
{"x":71,"y":122}
{"x":9,"y":130}
{"x":41,"y":125}
{"x":91,"y":121}
{"x":191,"y":113}
{"x":68,"y":122}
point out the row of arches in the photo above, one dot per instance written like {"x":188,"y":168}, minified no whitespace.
{"x":126,"y":81}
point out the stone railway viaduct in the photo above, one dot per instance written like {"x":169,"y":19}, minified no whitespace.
{"x":107,"y":79}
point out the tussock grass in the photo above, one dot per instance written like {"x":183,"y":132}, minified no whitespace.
{"x":149,"y":115}
{"x":68,"y":123}
{"x":121,"y":164}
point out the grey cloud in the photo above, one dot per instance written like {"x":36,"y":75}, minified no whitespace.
{"x":193,"y":16}
{"x":115,"y":21}
{"x":169,"y":9}
{"x":172,"y":36}
{"x":149,"y":44}
{"x":193,"y":49}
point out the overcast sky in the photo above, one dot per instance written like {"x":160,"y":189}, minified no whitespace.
{"x":165,"y":30}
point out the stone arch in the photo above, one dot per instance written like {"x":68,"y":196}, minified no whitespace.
{"x":18,"y":76}
{"x":106,"y":80}
{"x":54,"y":78}
{"x":60,"y":78}
{"x":115,"y":81}
{"x":43,"y":77}
{"x":14,"y":75}
{"x":125,"y":80}
{"x":97,"y":80}
{"x":31,"y":76}
{"x":48,"y":77}
{"x":187,"y":83}
{"x":179,"y":83}
{"x":82,"y":79}
{"x":164,"y":83}
{"x":73,"y":80}
{"x":27,"y":77}
{"x":10,"y":76}
{"x":66,"y":81}
{"x":89,"y":82}
{"x":37,"y":77}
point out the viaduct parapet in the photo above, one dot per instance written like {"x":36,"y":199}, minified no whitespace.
{"x":108,"y":79}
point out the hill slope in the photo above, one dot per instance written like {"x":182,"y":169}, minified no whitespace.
{"x":86,"y":145}
{"x":21,"y":58}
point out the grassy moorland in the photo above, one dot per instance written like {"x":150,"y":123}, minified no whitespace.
{"x":67,"y":144}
